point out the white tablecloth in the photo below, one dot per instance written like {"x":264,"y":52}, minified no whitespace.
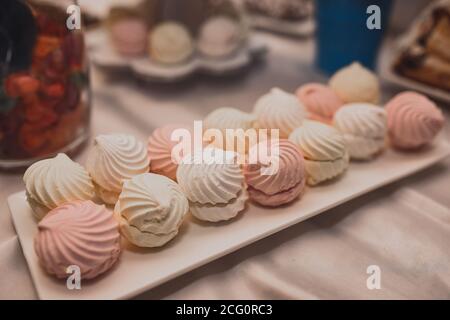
{"x":403,"y":228}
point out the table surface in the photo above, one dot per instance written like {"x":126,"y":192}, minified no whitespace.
{"x":403,"y":228}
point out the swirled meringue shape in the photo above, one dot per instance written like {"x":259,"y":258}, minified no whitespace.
{"x":113,"y":159}
{"x":364,"y":128}
{"x":324,"y":150}
{"x":78,"y":233}
{"x":354,"y":83}
{"x":52,"y":182}
{"x":280,"y":186}
{"x":160,"y":147}
{"x":230,"y":118}
{"x":220,"y":212}
{"x":413,"y":120}
{"x":279,"y":110}
{"x":213,"y":178}
{"x":321,"y":102}
{"x":151,"y":209}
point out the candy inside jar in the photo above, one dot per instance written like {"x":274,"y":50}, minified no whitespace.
{"x":44,"y":87}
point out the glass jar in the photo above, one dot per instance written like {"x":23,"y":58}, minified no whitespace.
{"x":44,"y":83}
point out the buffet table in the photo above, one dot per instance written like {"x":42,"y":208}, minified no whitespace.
{"x":404,"y":228}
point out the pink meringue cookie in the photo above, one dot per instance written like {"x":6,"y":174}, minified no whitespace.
{"x":79,"y":233}
{"x":129,"y":36}
{"x":281,"y":186}
{"x":320,"y":100}
{"x":413,"y":120}
{"x":160,"y":147}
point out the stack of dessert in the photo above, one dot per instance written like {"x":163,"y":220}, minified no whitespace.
{"x":426,"y":53}
{"x":141,"y":31}
{"x":143,"y":194}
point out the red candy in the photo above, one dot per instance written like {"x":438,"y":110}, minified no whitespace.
{"x":48,"y":111}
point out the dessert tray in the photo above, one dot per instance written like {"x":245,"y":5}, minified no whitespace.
{"x":103,"y":55}
{"x":199,"y":243}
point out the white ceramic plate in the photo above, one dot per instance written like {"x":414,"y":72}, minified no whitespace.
{"x":200,"y":243}
{"x":104,"y":55}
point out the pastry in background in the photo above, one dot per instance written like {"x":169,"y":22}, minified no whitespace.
{"x":128,"y":31}
{"x":170,"y":43}
{"x":355,"y":83}
{"x":229,"y":118}
{"x":113,"y":159}
{"x":220,"y":36}
{"x":364,"y":128}
{"x":323,"y":147}
{"x":281,"y":184}
{"x":214,"y":184}
{"x":278,"y":109}
{"x":151,"y":209}
{"x":281,"y":9}
{"x":79,"y":233}
{"x":160,"y":147}
{"x":413,"y":120}
{"x":52,"y":182}
{"x":321,"y":101}
{"x":425,"y":55}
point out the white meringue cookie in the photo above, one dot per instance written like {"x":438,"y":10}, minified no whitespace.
{"x":170,"y":43}
{"x":319,"y":171}
{"x":113,"y":159}
{"x":279,"y":110}
{"x":151,"y":209}
{"x":209,"y":181}
{"x":230,"y":118}
{"x":220,"y":36}
{"x":220,"y":212}
{"x":51,"y":182}
{"x":364,"y":128}
{"x":354,"y":83}
{"x":324,"y":149}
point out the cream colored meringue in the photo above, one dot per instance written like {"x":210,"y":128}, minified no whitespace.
{"x":219,"y":36}
{"x":280,"y":186}
{"x":220,"y":212}
{"x":160,"y":146}
{"x":78,"y":233}
{"x":324,"y":150}
{"x":52,"y":182}
{"x":355,"y":83}
{"x":279,"y":110}
{"x":151,"y":209}
{"x":213,"y":182}
{"x":413,"y":120}
{"x":364,"y":128}
{"x":170,"y":43}
{"x":230,"y":118}
{"x":113,"y":159}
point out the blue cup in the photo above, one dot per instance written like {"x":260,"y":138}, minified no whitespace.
{"x":343,"y":35}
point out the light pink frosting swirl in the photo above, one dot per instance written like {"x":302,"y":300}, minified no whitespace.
{"x":413,"y":120}
{"x":79,"y":233}
{"x":320,"y":100}
{"x":286,"y":184}
{"x":160,"y":151}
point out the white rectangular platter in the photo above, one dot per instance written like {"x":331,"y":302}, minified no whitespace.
{"x":199,"y":243}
